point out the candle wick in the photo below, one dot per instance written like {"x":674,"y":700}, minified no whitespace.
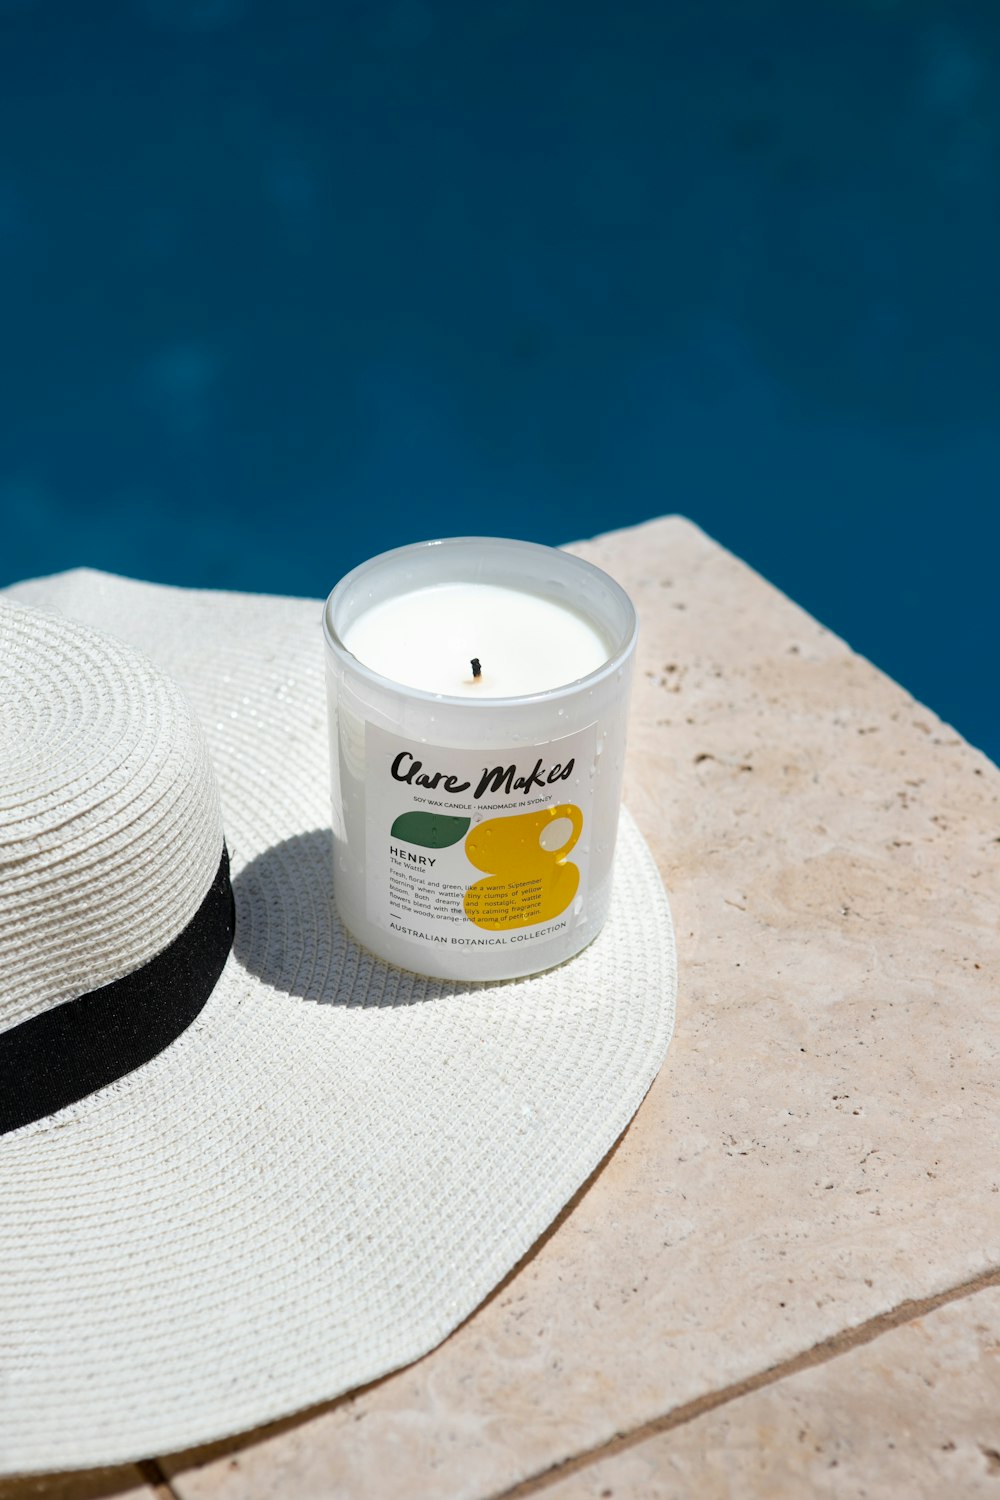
{"x":477,"y":670}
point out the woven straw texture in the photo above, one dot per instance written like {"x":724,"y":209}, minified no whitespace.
{"x":108,"y":808}
{"x":338,"y":1160}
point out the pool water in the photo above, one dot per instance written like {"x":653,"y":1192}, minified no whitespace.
{"x":286,"y":285}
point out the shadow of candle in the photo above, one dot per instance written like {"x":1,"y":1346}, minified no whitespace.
{"x":288,"y":933}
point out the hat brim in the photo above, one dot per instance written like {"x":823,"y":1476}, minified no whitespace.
{"x":338,"y":1160}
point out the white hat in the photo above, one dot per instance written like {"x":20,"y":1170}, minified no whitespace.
{"x":239,"y":1175}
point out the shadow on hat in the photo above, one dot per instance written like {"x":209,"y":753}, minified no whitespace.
{"x":288,"y":933}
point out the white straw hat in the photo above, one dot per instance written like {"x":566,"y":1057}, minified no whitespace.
{"x":239,"y":1175}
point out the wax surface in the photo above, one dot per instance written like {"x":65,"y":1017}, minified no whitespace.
{"x":427,"y":639}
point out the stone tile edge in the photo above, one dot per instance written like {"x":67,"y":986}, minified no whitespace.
{"x":843,"y":1342}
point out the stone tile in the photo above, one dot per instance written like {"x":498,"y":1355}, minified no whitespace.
{"x":916,"y":1414}
{"x":812,"y":1154}
{"x":124,"y":1482}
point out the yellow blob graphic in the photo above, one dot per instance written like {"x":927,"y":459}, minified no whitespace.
{"x":527,"y":882}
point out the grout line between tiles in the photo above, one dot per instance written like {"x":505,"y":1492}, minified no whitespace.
{"x":156,"y":1479}
{"x":821,"y":1353}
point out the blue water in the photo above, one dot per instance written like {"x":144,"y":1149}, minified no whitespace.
{"x":283,"y":285}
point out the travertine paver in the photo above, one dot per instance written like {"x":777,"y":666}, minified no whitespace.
{"x":913,"y":1416}
{"x":820,"y":1144}
{"x":122,"y":1483}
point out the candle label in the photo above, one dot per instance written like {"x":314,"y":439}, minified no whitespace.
{"x":477,"y":848}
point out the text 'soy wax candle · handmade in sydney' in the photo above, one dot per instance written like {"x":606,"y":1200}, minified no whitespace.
{"x":478,"y":693}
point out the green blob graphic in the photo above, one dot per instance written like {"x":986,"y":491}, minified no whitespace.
{"x":429,"y":830}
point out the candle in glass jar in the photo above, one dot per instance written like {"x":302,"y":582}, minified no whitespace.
{"x":478,"y":693}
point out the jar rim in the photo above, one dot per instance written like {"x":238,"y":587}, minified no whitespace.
{"x":618,"y":655}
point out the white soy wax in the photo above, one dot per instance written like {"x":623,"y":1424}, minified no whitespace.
{"x":478,"y":693}
{"x":521,"y":643}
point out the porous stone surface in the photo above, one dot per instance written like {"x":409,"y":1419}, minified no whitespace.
{"x":120,"y":1483}
{"x":915,"y":1414}
{"x":812,"y":1153}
